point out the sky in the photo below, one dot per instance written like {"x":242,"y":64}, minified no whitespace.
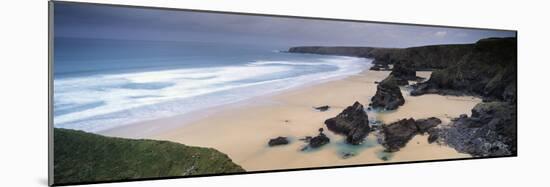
{"x":130,"y":23}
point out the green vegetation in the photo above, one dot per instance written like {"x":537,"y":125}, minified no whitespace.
{"x":86,"y":157}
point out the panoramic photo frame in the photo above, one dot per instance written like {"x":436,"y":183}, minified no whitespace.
{"x":142,"y":93}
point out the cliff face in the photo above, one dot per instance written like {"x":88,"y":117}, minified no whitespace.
{"x":488,"y":70}
{"x":85,"y":157}
{"x":419,"y":58}
{"x":344,"y":51}
{"x":428,"y":57}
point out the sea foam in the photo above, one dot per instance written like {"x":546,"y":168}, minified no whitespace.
{"x":101,"y":102}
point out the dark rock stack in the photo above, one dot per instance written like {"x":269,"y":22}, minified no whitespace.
{"x":397,"y":134}
{"x":403,"y":74}
{"x":353,"y":122}
{"x":278,"y":141}
{"x":388,"y":95}
{"x":490,"y":131}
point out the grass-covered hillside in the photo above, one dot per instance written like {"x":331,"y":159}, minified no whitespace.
{"x":86,"y":157}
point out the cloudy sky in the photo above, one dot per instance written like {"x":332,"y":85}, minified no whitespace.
{"x":94,"y":21}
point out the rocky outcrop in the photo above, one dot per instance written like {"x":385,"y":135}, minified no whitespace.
{"x":397,"y":134}
{"x":388,"y":94}
{"x":278,"y":141}
{"x":490,"y":131}
{"x":488,"y":70}
{"x":353,"y":122}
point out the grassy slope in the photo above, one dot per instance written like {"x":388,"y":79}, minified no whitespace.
{"x":86,"y":157}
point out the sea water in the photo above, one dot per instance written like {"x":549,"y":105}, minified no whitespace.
{"x":104,"y":83}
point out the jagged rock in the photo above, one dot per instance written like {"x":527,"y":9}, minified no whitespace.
{"x":322,"y":108}
{"x":388,"y":95}
{"x":316,"y":141}
{"x":319,"y":141}
{"x":353,"y":122}
{"x":426,"y":124}
{"x":278,"y":141}
{"x":490,"y":131}
{"x":397,"y":134}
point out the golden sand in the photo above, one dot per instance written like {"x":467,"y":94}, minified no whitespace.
{"x":242,"y":130}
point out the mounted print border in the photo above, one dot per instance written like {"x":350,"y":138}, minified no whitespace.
{"x":145,"y":93}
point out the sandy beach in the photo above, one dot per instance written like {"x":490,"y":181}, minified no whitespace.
{"x":242,"y":130}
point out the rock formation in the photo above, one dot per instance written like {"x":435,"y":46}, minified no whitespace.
{"x":388,"y":95}
{"x":397,"y":134}
{"x":353,"y":122}
{"x":316,"y":141}
{"x":322,"y":108}
{"x":278,"y":141}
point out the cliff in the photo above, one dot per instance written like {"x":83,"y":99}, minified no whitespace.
{"x":419,"y":58}
{"x":488,"y":70}
{"x":85,"y":157}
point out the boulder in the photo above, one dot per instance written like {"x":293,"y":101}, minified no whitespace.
{"x":278,"y":141}
{"x":388,"y":95}
{"x":424,"y":125}
{"x":316,"y":141}
{"x":346,"y":155}
{"x":322,"y":108}
{"x":353,"y":122}
{"x":319,"y":140}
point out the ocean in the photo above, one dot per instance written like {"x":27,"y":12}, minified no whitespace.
{"x":101,"y":84}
